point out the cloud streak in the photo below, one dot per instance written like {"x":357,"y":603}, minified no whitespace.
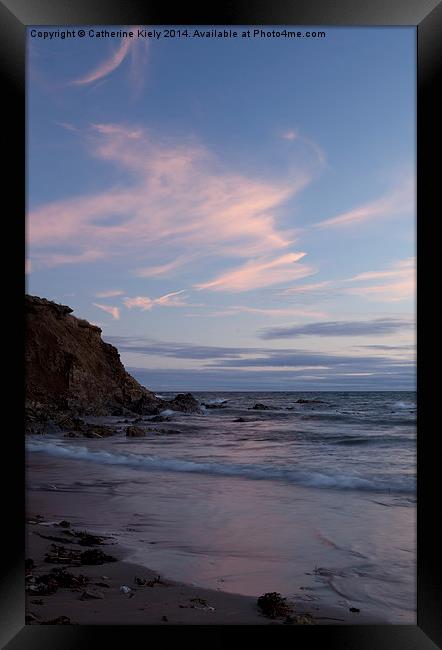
{"x":248,"y":368}
{"x":135,"y":47}
{"x":394,"y":284}
{"x":400,"y":200}
{"x":260,"y":273}
{"x":249,"y":379}
{"x":109,"y":294}
{"x":376,"y":327}
{"x":173,"y":299}
{"x":180,"y":204}
{"x":113,"y":311}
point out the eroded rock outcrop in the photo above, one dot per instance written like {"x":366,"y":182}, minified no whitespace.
{"x":71,"y":370}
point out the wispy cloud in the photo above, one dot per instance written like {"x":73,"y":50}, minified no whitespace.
{"x":396,"y":283}
{"x":109,"y":294}
{"x":251,"y":356}
{"x":376,"y":327}
{"x":392,"y":284}
{"x":251,"y":368}
{"x":260,"y":273}
{"x":293,"y":135}
{"x":113,"y":311}
{"x":307,"y":288}
{"x":180,"y":202}
{"x":163,"y":269}
{"x":59,"y":259}
{"x":173,"y":299}
{"x":249,"y":379}
{"x":400,"y":200}
{"x":267,"y":311}
{"x":135,"y":47}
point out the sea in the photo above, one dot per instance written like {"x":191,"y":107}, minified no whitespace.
{"x":312,"y":496}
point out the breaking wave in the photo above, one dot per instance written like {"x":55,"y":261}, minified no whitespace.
{"x":308,"y":478}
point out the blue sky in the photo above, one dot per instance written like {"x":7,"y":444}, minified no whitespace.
{"x":233,"y":213}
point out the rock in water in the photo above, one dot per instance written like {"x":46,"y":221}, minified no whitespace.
{"x":260,"y":407}
{"x":135,"y":432}
{"x":184,"y":402}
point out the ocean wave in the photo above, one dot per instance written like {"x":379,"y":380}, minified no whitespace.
{"x":405,"y":405}
{"x":307,"y":478}
{"x":368,"y":419}
{"x":371,"y":440}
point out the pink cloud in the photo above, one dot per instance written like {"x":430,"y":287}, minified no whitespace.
{"x":109,"y":294}
{"x":146,"y":304}
{"x":293,"y":135}
{"x":400,"y":200}
{"x":113,"y":311}
{"x":260,"y":273}
{"x":180,"y":202}
{"x":137,"y":48}
{"x":59,"y":259}
{"x":163,"y":269}
{"x":396,"y":283}
{"x":271,"y":312}
{"x":306,"y":288}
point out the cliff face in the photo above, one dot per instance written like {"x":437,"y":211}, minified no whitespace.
{"x":69,"y":368}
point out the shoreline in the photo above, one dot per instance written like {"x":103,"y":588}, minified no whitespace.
{"x":161,"y":601}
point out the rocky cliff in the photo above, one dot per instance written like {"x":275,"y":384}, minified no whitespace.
{"x":70,"y":369}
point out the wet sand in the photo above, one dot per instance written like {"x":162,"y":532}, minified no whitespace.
{"x":164,"y":602}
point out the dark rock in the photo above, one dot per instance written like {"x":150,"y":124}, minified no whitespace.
{"x":98,"y":431}
{"x":260,"y":407}
{"x":240,"y":420}
{"x":164,"y":618}
{"x":184,"y":402}
{"x":64,"y":524}
{"x":273,"y":605}
{"x":354,"y":609}
{"x":144,"y":582}
{"x":95,"y":557}
{"x":53,"y":538}
{"x":309,"y":401}
{"x":304,"y":619}
{"x":62,"y":555}
{"x":29,"y":564}
{"x":71,"y":370}
{"x":135,"y":432}
{"x":64,"y":579}
{"x":160,"y":418}
{"x":199,"y":601}
{"x":88,"y":539}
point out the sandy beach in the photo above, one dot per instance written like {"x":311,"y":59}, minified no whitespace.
{"x":122,"y":593}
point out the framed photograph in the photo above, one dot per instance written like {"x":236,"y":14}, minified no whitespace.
{"x":222,"y":218}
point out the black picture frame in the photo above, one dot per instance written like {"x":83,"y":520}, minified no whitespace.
{"x":426,"y":16}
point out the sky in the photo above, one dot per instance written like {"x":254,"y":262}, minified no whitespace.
{"x":234,"y":213}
